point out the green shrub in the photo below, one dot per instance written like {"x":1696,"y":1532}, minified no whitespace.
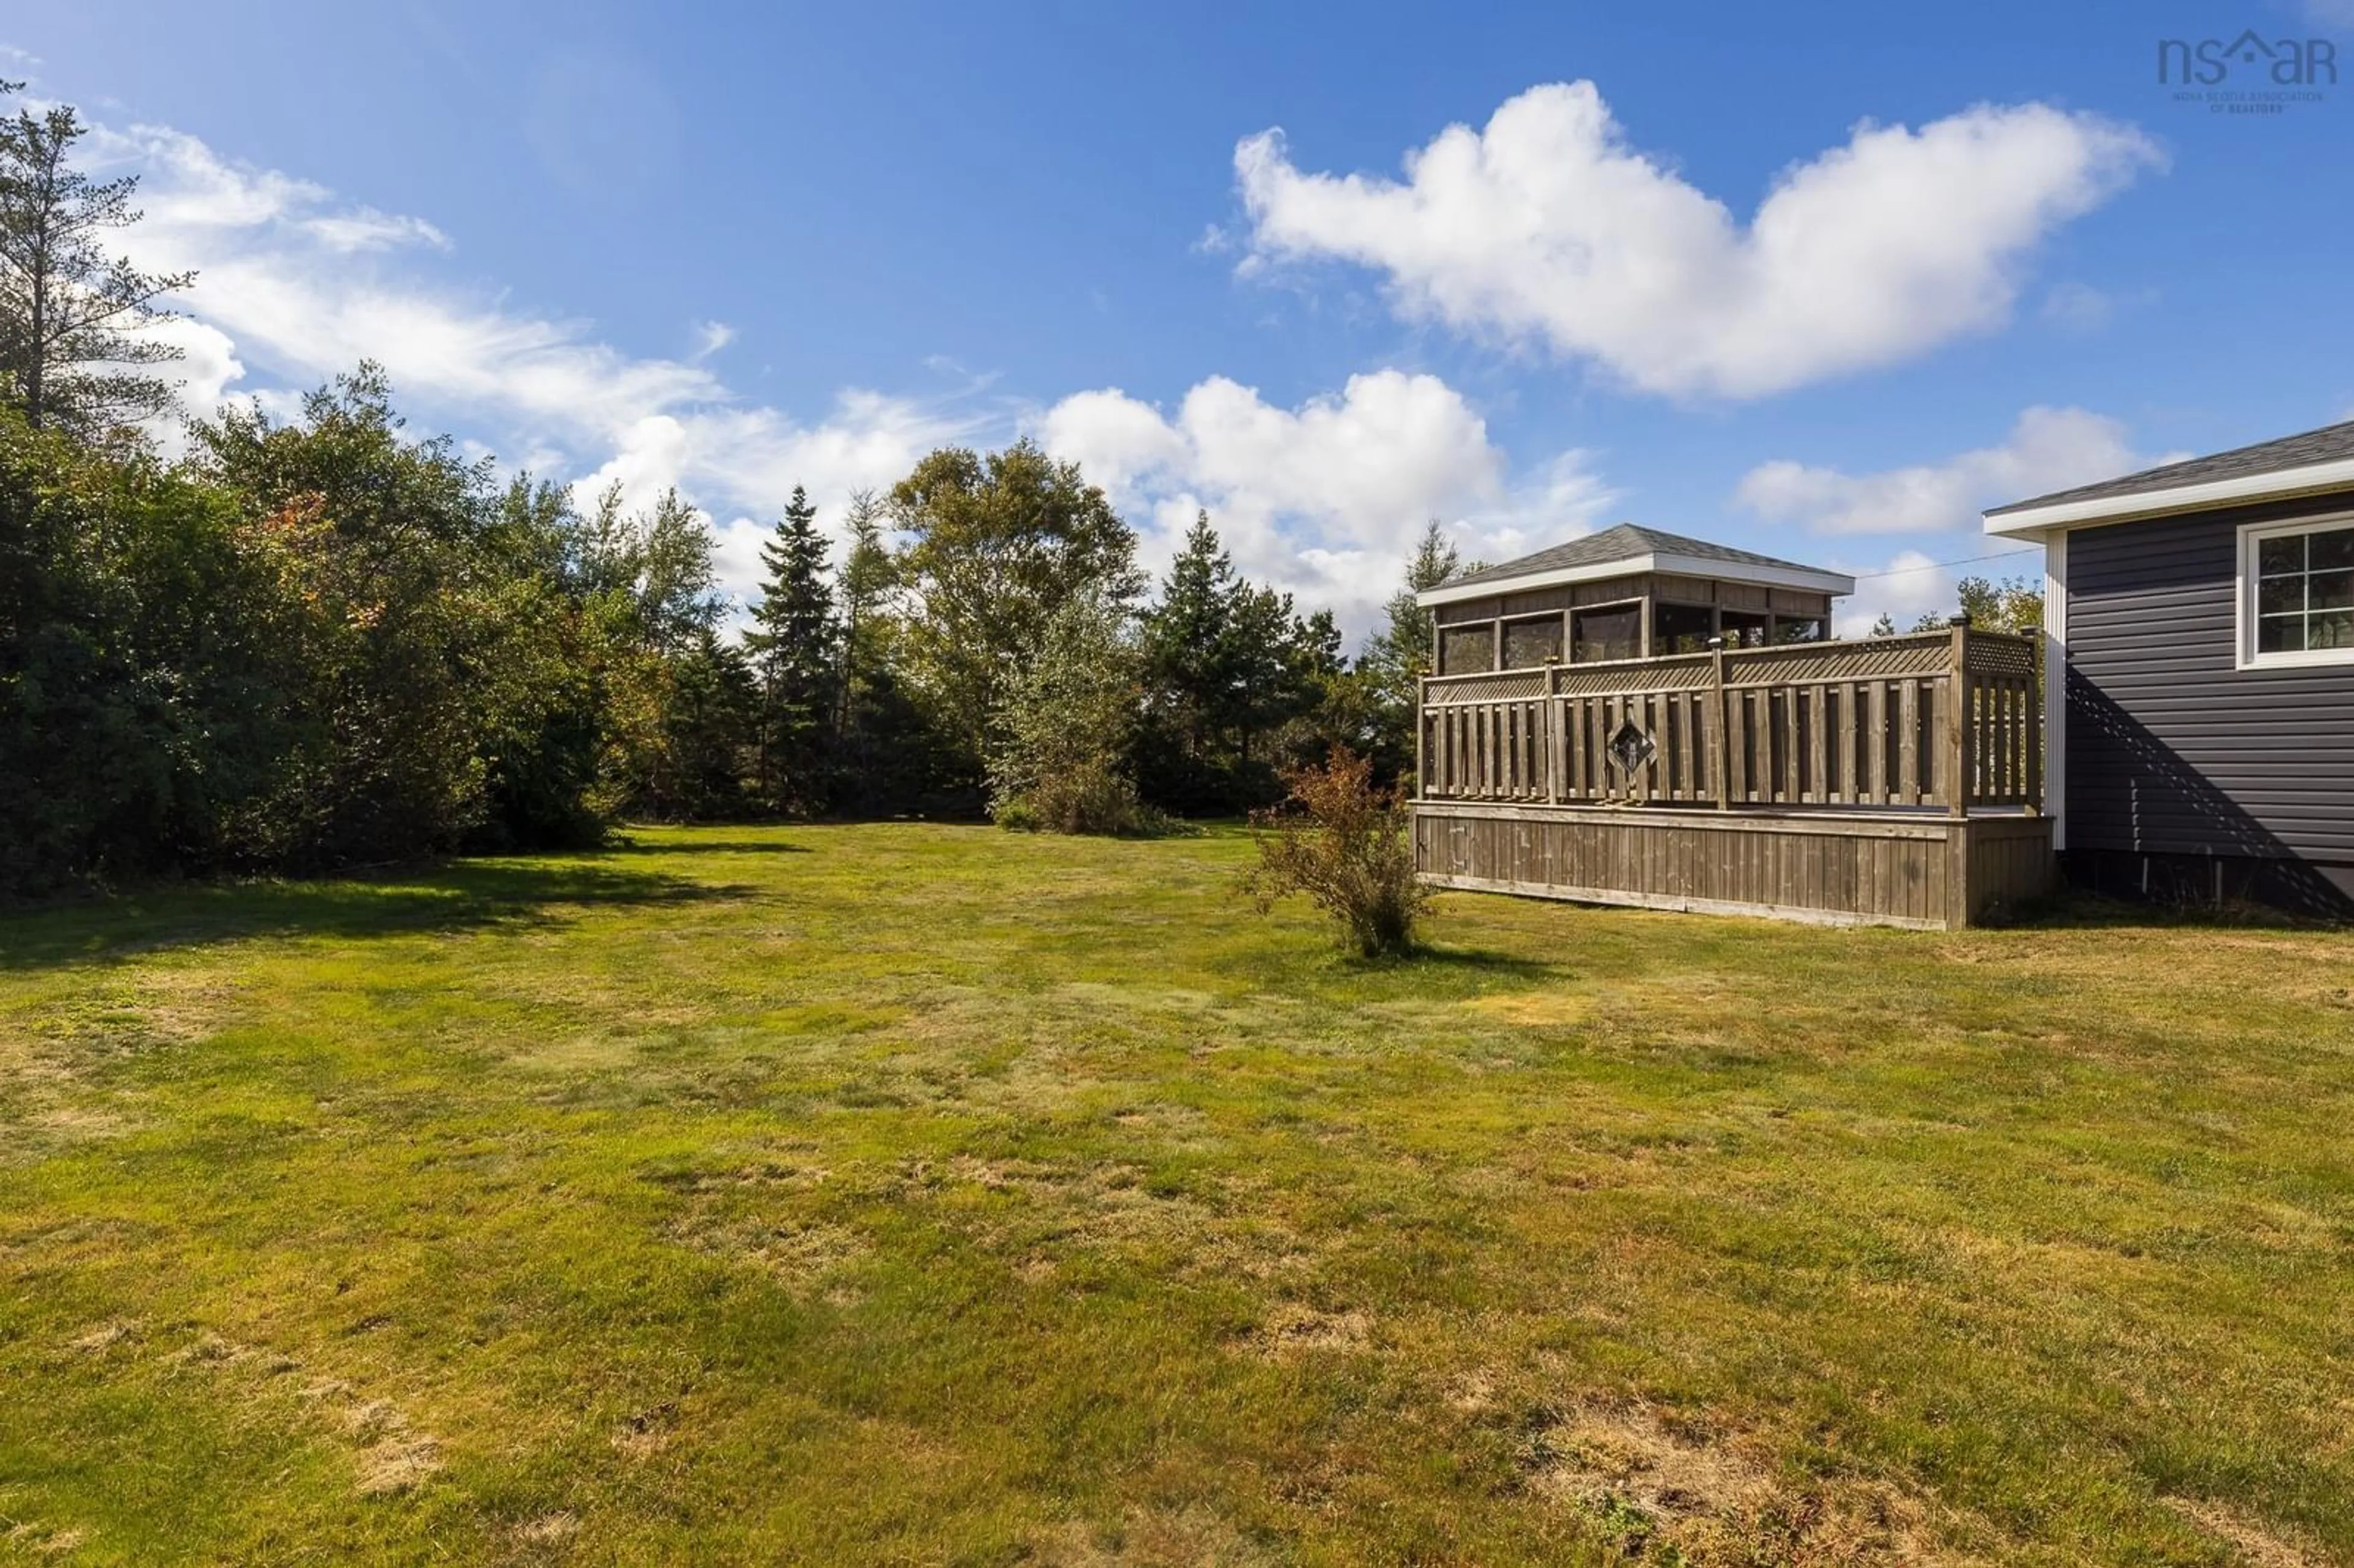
{"x":1348,"y":846}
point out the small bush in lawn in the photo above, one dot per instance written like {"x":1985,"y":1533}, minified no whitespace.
{"x":1088,"y":797}
{"x":1349,"y":847}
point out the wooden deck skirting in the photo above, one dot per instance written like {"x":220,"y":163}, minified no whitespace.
{"x":1888,"y":780}
{"x":1925,"y":871}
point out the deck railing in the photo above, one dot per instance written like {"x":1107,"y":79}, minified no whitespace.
{"x":1949,"y":719}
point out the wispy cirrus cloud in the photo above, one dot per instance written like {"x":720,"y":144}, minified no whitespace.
{"x":710,"y":337}
{"x":296,"y":284}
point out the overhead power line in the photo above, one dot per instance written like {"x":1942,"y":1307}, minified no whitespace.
{"x":1933,"y":566}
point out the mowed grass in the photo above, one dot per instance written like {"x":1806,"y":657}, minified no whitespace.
{"x":913,"y":1194}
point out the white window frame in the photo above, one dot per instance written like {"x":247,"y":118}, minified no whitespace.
{"x":2244,"y":608}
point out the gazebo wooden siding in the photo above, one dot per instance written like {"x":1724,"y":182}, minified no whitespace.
{"x":1888,"y":779}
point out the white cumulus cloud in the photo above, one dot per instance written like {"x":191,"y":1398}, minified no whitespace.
{"x":2047,"y":449}
{"x":1547,"y":228}
{"x":1324,"y":500}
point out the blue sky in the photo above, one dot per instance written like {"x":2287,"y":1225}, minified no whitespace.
{"x":1821,"y":283}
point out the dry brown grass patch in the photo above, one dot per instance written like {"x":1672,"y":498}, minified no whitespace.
{"x":648,"y":1432}
{"x":549,"y":1530}
{"x":797,"y":1253}
{"x":42,"y":1541}
{"x":1294,"y":1327}
{"x":1712,"y":1496}
{"x":1192,"y":1537}
{"x":2256,"y":1543}
{"x":392,"y":1456}
{"x":106,"y":1336}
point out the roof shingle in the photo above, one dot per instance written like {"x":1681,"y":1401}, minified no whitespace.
{"x":1627,"y":541}
{"x":2328,"y":444}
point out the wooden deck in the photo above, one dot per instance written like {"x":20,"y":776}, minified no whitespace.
{"x":1892,"y":781}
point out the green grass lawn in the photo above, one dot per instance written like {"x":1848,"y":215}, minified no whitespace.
{"x":926,"y":1194}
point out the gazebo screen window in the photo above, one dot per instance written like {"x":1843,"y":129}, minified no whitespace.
{"x":1527,"y":643}
{"x":1797,"y":628}
{"x":1682,"y":628}
{"x":1616,"y":633}
{"x":1745,"y":628}
{"x":1465,"y":649}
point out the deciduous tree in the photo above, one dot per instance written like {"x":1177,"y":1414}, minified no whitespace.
{"x":994,"y":544}
{"x":1346,"y":844}
{"x":1057,"y":759}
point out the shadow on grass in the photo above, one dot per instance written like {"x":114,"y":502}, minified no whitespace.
{"x":1481,"y":961}
{"x":460,"y":895}
{"x":699,"y":846}
{"x":1476,"y":966}
{"x":2074,"y":909}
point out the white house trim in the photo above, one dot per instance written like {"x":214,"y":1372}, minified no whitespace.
{"x":1797,"y":577}
{"x":2280,"y":483}
{"x":2055,"y":686}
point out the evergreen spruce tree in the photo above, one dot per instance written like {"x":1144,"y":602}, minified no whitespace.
{"x":713,"y":704}
{"x":1186,"y":640}
{"x":73,"y":350}
{"x":1401,"y":650}
{"x":1400,"y":654}
{"x":796,"y":649}
{"x":1227,"y":663}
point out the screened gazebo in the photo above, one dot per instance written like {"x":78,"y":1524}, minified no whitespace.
{"x":1642,"y":717}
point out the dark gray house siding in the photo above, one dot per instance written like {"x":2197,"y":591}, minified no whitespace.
{"x":2184,"y":773}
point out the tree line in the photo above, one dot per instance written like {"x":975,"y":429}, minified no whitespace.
{"x":324,"y":642}
{"x":320,"y":642}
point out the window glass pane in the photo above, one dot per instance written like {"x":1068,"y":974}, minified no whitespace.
{"x":1463,"y":649}
{"x":2277,"y":596}
{"x":1527,"y":643}
{"x":1797,"y":628}
{"x":2335,"y":630}
{"x":2331,"y":550}
{"x":2284,"y":554}
{"x":2329,"y":590}
{"x":1682,"y":628}
{"x":2280,"y":634}
{"x":1607,"y":634}
{"x":1743,"y":629}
